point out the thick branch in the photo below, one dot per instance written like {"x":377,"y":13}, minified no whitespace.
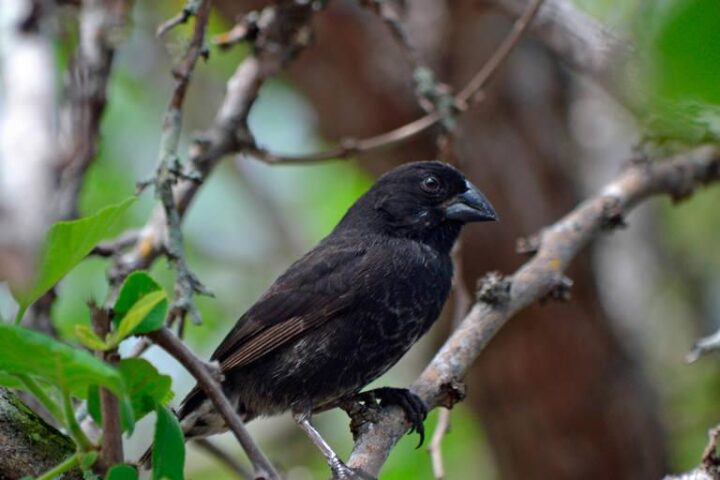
{"x":28,"y":445}
{"x":558,"y":246}
{"x":175,"y":347}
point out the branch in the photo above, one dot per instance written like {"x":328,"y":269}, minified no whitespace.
{"x":704,"y":345}
{"x":28,"y":445}
{"x":85,"y":97}
{"x":472,"y":93}
{"x":190,"y":9}
{"x":556,"y":248}
{"x":175,"y":347}
{"x":283,"y":34}
{"x":169,"y":172}
{"x":574,"y":36}
{"x":463,"y":301}
{"x":111,"y":451}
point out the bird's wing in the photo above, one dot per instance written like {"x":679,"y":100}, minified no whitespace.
{"x":314,"y":290}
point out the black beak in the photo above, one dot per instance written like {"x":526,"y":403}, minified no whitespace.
{"x":470,"y":206}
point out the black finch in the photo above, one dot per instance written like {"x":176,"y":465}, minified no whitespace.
{"x":349,"y":309}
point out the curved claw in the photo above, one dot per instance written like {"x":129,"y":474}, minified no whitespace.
{"x":414,"y":407}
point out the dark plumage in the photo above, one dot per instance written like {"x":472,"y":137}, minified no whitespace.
{"x":350,"y":308}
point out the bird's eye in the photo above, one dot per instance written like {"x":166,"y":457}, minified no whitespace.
{"x":430,"y":184}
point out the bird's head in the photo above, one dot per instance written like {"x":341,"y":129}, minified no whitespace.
{"x":429,"y":201}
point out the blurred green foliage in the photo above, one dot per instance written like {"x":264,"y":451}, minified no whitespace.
{"x":687,"y":51}
{"x":678,"y":69}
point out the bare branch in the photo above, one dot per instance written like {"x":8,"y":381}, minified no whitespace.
{"x":169,"y":172}
{"x":175,"y":347}
{"x":435,"y":448}
{"x":114,"y":247}
{"x":282,"y":36}
{"x":469,"y":95}
{"x":558,"y":246}
{"x":190,"y":9}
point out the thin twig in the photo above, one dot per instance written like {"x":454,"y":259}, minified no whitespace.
{"x":168,"y":172}
{"x":472,"y":91}
{"x":279,"y":40}
{"x":169,"y":342}
{"x":577,"y":39}
{"x":559,"y":244}
{"x":225,"y":458}
{"x":435,"y":448}
{"x":111,"y":248}
{"x":471,"y":94}
{"x":190,"y":9}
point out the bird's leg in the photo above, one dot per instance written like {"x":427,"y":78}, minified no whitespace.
{"x":339,"y":469}
{"x":414,"y":407}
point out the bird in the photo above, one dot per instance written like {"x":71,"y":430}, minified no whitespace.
{"x":349,"y":309}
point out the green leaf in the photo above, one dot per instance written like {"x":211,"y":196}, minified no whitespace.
{"x":88,"y":338}
{"x":24,"y":351}
{"x":145,"y":308}
{"x":146,"y":389}
{"x":136,"y":286}
{"x":122,"y":472}
{"x":687,"y":51}
{"x":66,"y":244}
{"x":168,"y":451}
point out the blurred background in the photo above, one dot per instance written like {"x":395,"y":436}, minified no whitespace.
{"x":595,"y":388}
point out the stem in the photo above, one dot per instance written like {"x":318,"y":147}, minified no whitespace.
{"x":20,"y":314}
{"x":47,"y":402}
{"x":68,"y":464}
{"x":169,"y":342}
{"x":76,"y":432}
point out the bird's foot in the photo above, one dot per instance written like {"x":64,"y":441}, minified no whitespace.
{"x":414,"y":407}
{"x":340,"y":471}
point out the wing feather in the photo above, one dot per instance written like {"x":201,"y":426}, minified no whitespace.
{"x":314,"y":290}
